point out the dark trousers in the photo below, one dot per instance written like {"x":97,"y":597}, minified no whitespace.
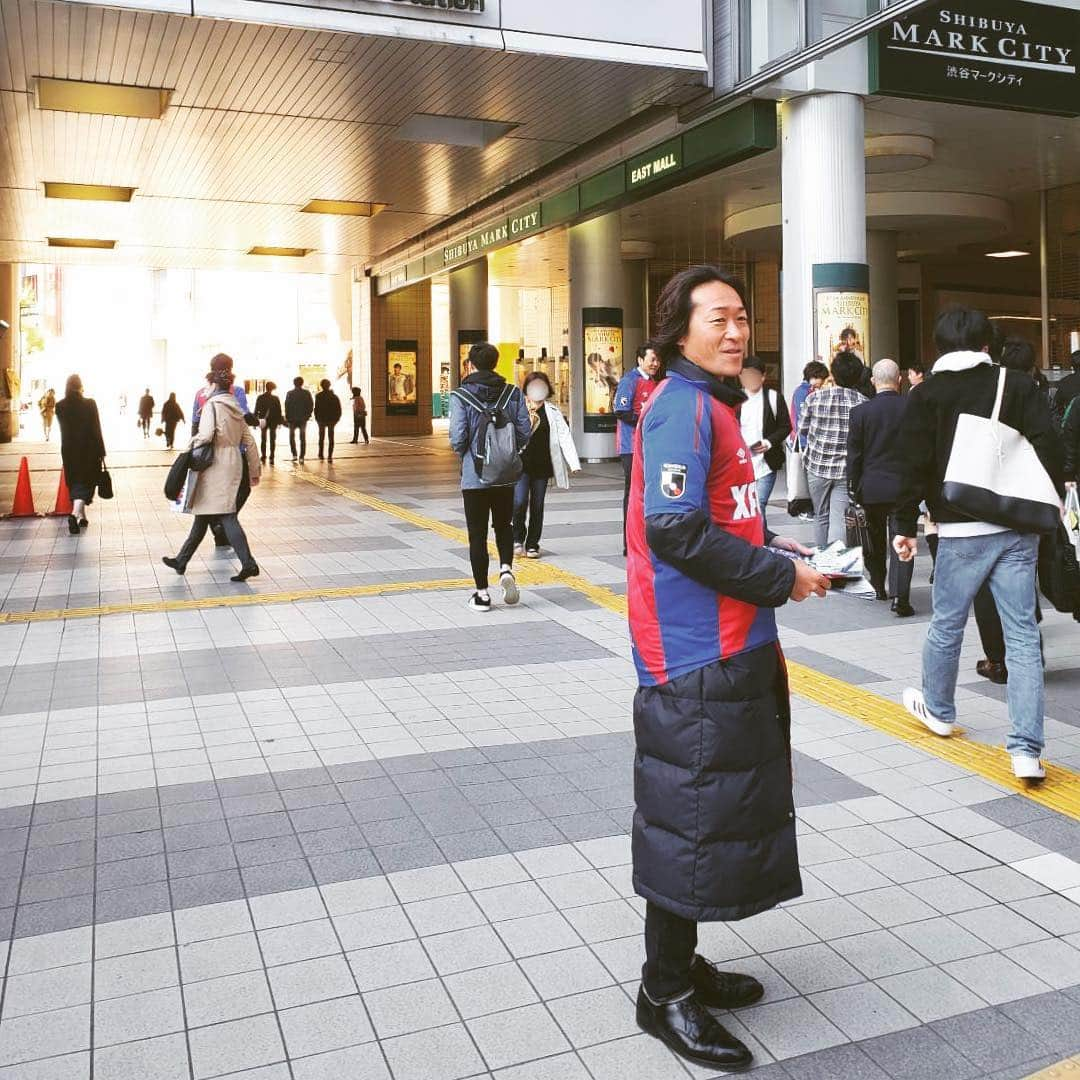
{"x":670,"y":943}
{"x":230,"y":524}
{"x":268,"y":435}
{"x":627,"y":469}
{"x":989,"y":623}
{"x":883,"y":527}
{"x":170,"y":433}
{"x":529,"y":495}
{"x":144,"y":425}
{"x":482,"y":504}
{"x":293,"y":429}
{"x":359,"y":427}
{"x":326,"y":435}
{"x":221,"y":537}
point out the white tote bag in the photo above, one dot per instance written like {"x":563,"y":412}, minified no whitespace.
{"x":994,"y":474}
{"x":795,"y":474}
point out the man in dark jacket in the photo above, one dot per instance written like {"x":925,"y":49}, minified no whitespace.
{"x":268,"y":413}
{"x":875,"y":463}
{"x":971,"y":552}
{"x":1068,"y":389}
{"x":630,"y":396}
{"x":714,"y":825}
{"x":327,"y":414}
{"x":146,"y":413}
{"x":299,"y":406}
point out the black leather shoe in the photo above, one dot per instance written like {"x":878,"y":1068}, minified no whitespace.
{"x":691,"y":1031}
{"x":174,"y":564}
{"x":994,"y":670}
{"x":880,"y":594}
{"x":902,"y":609}
{"x":248,"y":571}
{"x":723,"y":989}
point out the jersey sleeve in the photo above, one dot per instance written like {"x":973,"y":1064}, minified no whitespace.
{"x":676,"y":440}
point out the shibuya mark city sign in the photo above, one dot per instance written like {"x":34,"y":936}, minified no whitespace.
{"x":995,"y":53}
{"x":466,"y":6}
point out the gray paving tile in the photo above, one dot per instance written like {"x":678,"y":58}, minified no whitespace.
{"x":919,"y":1054}
{"x":140,"y":1016}
{"x":161,"y":1058}
{"x":229,"y":997}
{"x":791,"y":1028}
{"x":930,"y":993}
{"x":863,"y":1011}
{"x":235,"y":1045}
{"x":445,"y":1053}
{"x":836,"y":1063}
{"x":325,"y":1025}
{"x":811,"y":968}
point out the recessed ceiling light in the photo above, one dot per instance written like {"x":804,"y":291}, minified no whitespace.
{"x":343,"y":206}
{"x":80,"y":242}
{"x":281,"y":252}
{"x":1006,"y":254}
{"x":106,"y":99}
{"x":88,"y":192}
{"x":452,"y":130}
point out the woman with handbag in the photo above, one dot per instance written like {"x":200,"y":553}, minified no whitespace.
{"x":82,"y":450}
{"x":217,"y":456}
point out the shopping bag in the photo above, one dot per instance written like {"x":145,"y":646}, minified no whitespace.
{"x":104,"y":484}
{"x":798,"y":490}
{"x":178,"y":473}
{"x":1059,"y":571}
{"x":180,"y":504}
{"x":1071,"y":518}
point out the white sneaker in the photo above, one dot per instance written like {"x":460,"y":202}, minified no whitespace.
{"x":480,"y":602}
{"x":1026,"y":767}
{"x":915,"y":704}
{"x":532,"y":553}
{"x":519,"y":549}
{"x":509,"y":587}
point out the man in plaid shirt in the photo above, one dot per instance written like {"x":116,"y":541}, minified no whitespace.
{"x":824,"y":426}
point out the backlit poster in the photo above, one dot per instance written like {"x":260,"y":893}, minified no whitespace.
{"x":603,"y":367}
{"x":841,"y":322}
{"x":401,"y":366}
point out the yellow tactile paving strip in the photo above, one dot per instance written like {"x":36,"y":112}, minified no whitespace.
{"x":1063,"y":1070}
{"x":1060,"y":791}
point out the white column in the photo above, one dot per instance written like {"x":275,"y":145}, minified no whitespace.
{"x":468,"y":308}
{"x":823,"y":181}
{"x":596,"y":281}
{"x":884,"y":321}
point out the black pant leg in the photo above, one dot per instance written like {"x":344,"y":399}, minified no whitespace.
{"x":477,"y":505}
{"x":363,"y":428}
{"x":292,"y":439}
{"x":502,"y":517}
{"x":900,"y":573}
{"x":194,"y":538}
{"x":272,"y":429}
{"x":877,"y":520}
{"x":627,"y":468}
{"x":355,"y":429}
{"x":989,"y":623}
{"x":262,"y":442}
{"x":322,"y":439}
{"x":330,"y":440}
{"x":238,"y":538}
{"x":303,"y":440}
{"x":670,"y":943}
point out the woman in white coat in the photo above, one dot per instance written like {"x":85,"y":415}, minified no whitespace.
{"x":549,"y":455}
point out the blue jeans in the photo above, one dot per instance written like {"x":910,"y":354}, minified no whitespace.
{"x":1007,"y":561}
{"x":529,"y":499}
{"x":765,"y":485}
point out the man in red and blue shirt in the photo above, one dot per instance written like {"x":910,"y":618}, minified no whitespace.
{"x":630,"y":396}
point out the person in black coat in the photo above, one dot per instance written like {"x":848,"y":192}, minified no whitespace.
{"x":327,"y":414}
{"x":765,"y":423}
{"x":171,"y":415}
{"x":82,"y":449}
{"x":875,"y":468}
{"x":299,"y":405}
{"x":268,"y":413}
{"x":714,"y":820}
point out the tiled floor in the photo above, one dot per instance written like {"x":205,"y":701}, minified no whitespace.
{"x":384,"y":837}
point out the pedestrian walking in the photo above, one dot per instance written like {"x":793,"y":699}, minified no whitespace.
{"x":146,"y":413}
{"x":215,"y":493}
{"x":714,"y":824}
{"x":549,"y":455}
{"x":299,"y":405}
{"x":765,"y":424}
{"x":489,"y":426}
{"x":824,"y":424}
{"x":630,"y":396}
{"x":171,"y":415}
{"x":814,"y":375}
{"x":82,"y":450}
{"x":268,"y":413}
{"x":1067,"y":390}
{"x":359,"y":412}
{"x":970,"y":551}
{"x":327,"y":415}
{"x":47,"y":408}
{"x":875,"y":462}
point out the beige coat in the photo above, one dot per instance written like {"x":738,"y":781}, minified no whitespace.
{"x":215,"y":488}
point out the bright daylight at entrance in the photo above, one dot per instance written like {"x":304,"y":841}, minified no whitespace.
{"x":539,"y":541}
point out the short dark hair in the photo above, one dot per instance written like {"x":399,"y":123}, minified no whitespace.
{"x":298,"y":381}
{"x":815,"y":370}
{"x":643,"y":348}
{"x":357,"y":392}
{"x":271,"y":386}
{"x":533,"y":376}
{"x":1018,"y":354}
{"x":960,"y":329}
{"x":484,"y":356}
{"x":675,"y":304}
{"x":325,"y":384}
{"x":849,"y":332}
{"x":754,"y":363}
{"x":847,"y":369}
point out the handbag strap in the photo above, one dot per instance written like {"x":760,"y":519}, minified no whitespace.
{"x":995,"y":416}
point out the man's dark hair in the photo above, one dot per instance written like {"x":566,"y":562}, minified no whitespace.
{"x":675,"y":304}
{"x":1018,"y":354}
{"x":484,"y":356}
{"x":325,"y":384}
{"x":298,"y":381}
{"x":271,"y":386}
{"x":1075,"y":360}
{"x":642,"y":349}
{"x":754,"y":363}
{"x":847,"y":369}
{"x":815,"y":370}
{"x":849,"y":332}
{"x":961,"y":329}
{"x":357,"y":392}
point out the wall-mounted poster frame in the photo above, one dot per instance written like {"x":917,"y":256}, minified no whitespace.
{"x":602,"y":365}
{"x":841,"y":310}
{"x":401,"y":377}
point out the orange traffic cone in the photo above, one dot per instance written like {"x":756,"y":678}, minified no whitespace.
{"x":23,"y":506}
{"x":63,"y":497}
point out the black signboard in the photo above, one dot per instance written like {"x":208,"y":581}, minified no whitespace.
{"x":995,"y":53}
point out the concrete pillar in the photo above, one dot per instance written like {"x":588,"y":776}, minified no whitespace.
{"x":884,"y":319}
{"x":823,"y":184}
{"x":634,"y":321}
{"x":597,"y":297}
{"x":9,"y":351}
{"x":468,"y":312}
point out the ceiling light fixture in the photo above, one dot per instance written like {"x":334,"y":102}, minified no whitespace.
{"x":280,"y":252}
{"x":1006,"y":254}
{"x":344,"y":206}
{"x":452,"y":130}
{"x":105,"y":99}
{"x":88,"y":192}
{"x":80,"y":242}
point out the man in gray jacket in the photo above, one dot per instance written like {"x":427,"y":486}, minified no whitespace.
{"x":484,"y":500}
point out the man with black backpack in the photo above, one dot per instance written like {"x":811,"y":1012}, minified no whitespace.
{"x":489,"y":426}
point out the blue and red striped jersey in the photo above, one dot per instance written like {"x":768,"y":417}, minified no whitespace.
{"x":630,"y":397}
{"x":689,"y":455}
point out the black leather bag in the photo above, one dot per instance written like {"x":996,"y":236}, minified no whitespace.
{"x":104,"y":484}
{"x":202,"y":457}
{"x":1059,"y":573}
{"x":856,"y":527}
{"x":174,"y":482}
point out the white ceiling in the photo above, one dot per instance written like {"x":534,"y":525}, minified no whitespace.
{"x":257,"y":126}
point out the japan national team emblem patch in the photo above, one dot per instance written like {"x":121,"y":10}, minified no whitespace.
{"x":673,"y":481}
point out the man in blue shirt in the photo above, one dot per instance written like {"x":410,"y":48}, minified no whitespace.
{"x":630,"y":396}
